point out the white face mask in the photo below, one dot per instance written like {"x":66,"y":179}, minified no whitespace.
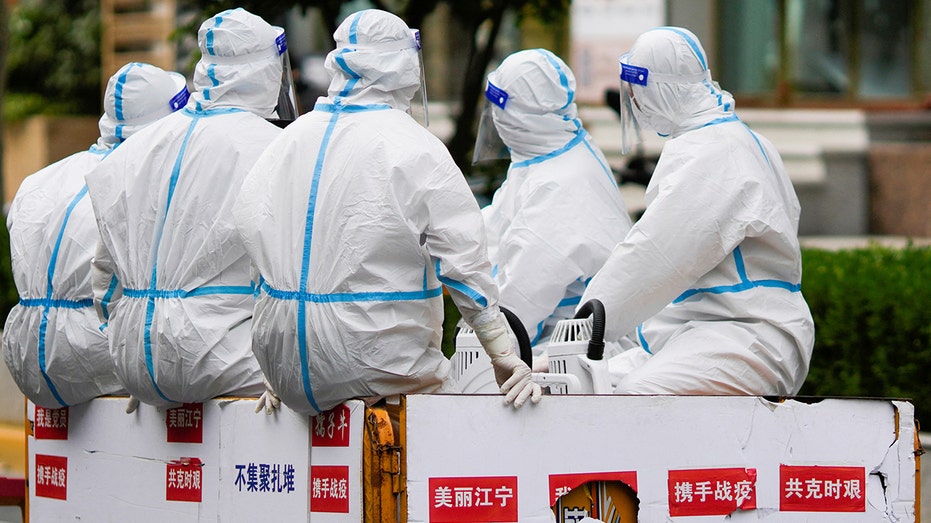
{"x":652,"y":96}
{"x":650,"y":120}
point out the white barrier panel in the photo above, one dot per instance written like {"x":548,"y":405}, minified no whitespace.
{"x":470,"y":458}
{"x":723,"y":458}
{"x":217,"y":461}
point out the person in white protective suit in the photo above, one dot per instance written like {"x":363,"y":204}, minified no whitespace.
{"x":163,"y":202}
{"x":354,"y":217}
{"x":52,"y":341}
{"x":557,"y":216}
{"x":710,"y":275}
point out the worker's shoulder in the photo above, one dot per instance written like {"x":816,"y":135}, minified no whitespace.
{"x":399,"y":132}
{"x":58,"y":174}
{"x":396,"y":125}
{"x":577,"y":169}
{"x":243,"y":120}
{"x":241,"y":131}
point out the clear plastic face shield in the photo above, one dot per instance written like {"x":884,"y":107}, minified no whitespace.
{"x":488,"y":143}
{"x":630,"y":75}
{"x":286,"y":110}
{"x":635,"y":78}
{"x":419,"y":108}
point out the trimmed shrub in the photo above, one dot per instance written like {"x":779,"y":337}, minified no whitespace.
{"x":872,"y":312}
{"x":8,"y":295}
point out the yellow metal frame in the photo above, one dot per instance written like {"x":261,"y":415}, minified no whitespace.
{"x":383,"y":470}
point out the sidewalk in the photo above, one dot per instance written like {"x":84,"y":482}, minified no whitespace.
{"x":12,"y":438}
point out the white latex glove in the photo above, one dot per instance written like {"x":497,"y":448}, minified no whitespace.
{"x":268,"y":400}
{"x":132,"y":405}
{"x":511,"y":373}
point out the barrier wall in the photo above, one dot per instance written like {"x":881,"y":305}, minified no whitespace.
{"x":723,"y":458}
{"x":217,"y":461}
{"x":466,"y":458}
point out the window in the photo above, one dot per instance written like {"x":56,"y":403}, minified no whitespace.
{"x":844,"y":52}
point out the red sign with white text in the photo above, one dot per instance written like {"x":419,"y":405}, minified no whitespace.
{"x":51,"y":476}
{"x":185,"y":423}
{"x":454,"y":500}
{"x":331,"y":428}
{"x":329,"y":489}
{"x":711,"y":492}
{"x":183,"y":480}
{"x":822,"y":489}
{"x":562,"y":484}
{"x":51,"y":423}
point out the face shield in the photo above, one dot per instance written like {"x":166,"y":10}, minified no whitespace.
{"x":630,"y":75}
{"x":286,"y":110}
{"x":642,"y":92}
{"x":419,"y":102}
{"x":488,"y":143}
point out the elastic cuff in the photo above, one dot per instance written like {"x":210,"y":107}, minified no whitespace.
{"x":484,"y":317}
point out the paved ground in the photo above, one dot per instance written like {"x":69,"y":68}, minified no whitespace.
{"x":10,"y":515}
{"x":11,"y":411}
{"x":11,"y":399}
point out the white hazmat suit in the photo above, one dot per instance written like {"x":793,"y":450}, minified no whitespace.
{"x":52,"y":341}
{"x":557,"y":216}
{"x":354,"y":217}
{"x":163,"y":201}
{"x":712,"y":271}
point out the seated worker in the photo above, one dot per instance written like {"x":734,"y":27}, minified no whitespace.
{"x":711,"y":273}
{"x":163,"y":201}
{"x":557,"y":216}
{"x":354,"y":216}
{"x":53,"y":342}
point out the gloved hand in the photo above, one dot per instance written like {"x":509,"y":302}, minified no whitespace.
{"x":268,"y":400}
{"x":511,"y":373}
{"x":132,"y":405}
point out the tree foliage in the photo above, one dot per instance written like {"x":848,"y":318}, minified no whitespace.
{"x":475,"y":15}
{"x":54,"y":58}
{"x":8,"y":294}
{"x":53,"y":63}
{"x":411,"y":11}
{"x":482,"y":19}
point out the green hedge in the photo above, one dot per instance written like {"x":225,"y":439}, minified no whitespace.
{"x":8,"y":295}
{"x":872,"y":311}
